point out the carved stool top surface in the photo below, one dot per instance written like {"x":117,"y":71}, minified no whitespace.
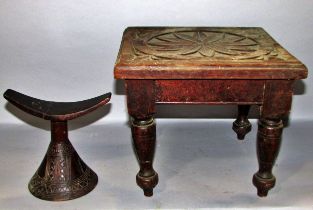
{"x":204,"y":53}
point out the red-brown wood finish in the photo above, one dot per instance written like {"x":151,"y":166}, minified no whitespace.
{"x":62,"y":175}
{"x":203,"y":65}
{"x":141,"y":108}
{"x":268,"y":143}
{"x":209,"y":91}
{"x":242,"y":125}
{"x":204,"y":53}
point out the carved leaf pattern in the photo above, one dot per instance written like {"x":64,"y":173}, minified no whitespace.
{"x":199,"y":44}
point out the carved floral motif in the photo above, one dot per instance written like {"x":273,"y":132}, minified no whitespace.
{"x":178,"y":45}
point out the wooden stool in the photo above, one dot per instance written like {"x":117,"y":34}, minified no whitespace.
{"x":62,"y":174}
{"x":175,"y":65}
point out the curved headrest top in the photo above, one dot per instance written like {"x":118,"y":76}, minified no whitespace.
{"x":57,"y":111}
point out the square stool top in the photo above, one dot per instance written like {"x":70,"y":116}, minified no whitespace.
{"x":204,"y":53}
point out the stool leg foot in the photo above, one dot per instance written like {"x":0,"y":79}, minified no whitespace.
{"x":143,"y":132}
{"x":263,"y":185}
{"x":62,"y":174}
{"x":241,"y":125}
{"x":268,"y":144}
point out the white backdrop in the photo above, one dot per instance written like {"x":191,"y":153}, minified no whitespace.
{"x":65,"y":50}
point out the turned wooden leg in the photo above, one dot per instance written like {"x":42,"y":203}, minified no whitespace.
{"x":268,"y":143}
{"x":242,"y":126}
{"x":143,"y":132}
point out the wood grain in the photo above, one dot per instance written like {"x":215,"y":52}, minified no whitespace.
{"x":204,"y":53}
